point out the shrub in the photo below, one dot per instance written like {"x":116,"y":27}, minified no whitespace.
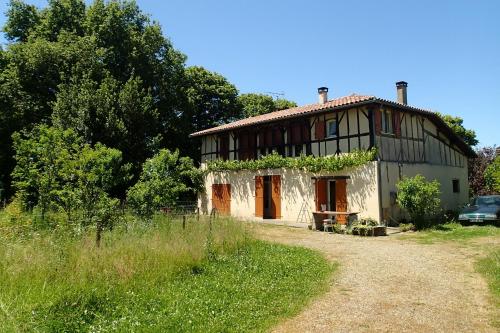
{"x":165,"y":179}
{"x":420,"y":199}
{"x":404,"y":227}
{"x":338,"y":229}
{"x":492,"y":176}
{"x":364,"y":227}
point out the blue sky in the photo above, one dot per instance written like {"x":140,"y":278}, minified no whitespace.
{"x":447,"y":51}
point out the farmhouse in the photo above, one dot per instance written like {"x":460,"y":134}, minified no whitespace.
{"x":408,"y":141}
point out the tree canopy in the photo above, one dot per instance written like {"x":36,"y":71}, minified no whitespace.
{"x":107,"y":72}
{"x":456,"y":124}
{"x":256,"y":104}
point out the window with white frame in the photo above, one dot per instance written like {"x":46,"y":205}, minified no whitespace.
{"x":387,"y":122}
{"x":331,"y":128}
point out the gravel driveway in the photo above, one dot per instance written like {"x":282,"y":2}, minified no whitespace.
{"x":389,"y":285}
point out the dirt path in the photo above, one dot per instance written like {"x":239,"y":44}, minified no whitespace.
{"x":387,"y":285}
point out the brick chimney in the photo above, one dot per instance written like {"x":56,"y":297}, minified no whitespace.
{"x":323,"y":95}
{"x":401,"y":89}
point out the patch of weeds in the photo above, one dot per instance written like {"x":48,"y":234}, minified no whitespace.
{"x":404,"y":227}
{"x":489,"y":267}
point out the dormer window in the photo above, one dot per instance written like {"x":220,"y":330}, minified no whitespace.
{"x":387,"y":126}
{"x":331,"y":128}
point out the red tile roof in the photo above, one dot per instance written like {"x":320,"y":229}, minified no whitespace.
{"x":288,"y":113}
{"x":340,"y":102}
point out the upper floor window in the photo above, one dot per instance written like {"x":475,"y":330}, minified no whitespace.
{"x":331,"y":128}
{"x":456,"y":185}
{"x":387,"y":126}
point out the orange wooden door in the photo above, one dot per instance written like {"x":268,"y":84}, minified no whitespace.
{"x":221,"y":198}
{"x":259,"y":196}
{"x":321,"y":193}
{"x":276,"y":196}
{"x":341,"y":199}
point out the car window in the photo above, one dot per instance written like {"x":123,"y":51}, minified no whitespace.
{"x":487,"y":201}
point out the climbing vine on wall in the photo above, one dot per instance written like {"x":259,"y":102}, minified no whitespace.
{"x":307,"y":163}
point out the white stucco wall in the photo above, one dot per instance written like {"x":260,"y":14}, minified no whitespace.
{"x":392,"y":172}
{"x":297,"y":187}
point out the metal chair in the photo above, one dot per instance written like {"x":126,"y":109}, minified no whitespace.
{"x":328,"y":223}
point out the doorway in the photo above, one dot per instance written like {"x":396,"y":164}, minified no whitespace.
{"x":268,"y":196}
{"x":332,"y":202}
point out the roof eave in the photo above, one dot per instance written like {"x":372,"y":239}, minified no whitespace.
{"x":310,"y":113}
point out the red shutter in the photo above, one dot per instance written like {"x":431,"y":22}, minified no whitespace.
{"x":276,"y":196}
{"x":321,"y":195}
{"x":269,"y":137}
{"x":251,"y":137}
{"x":278,"y":138}
{"x":261,"y":139}
{"x":341,"y":199}
{"x":224,"y":147}
{"x":320,"y":129}
{"x":296,"y":134}
{"x":397,"y":124}
{"x":378,"y":122}
{"x":305,"y":133}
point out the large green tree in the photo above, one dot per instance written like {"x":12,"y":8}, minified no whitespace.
{"x":104,"y":70}
{"x":253,"y":104}
{"x":456,"y":124}
{"x":211,"y":100}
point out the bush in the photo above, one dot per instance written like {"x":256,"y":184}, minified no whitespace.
{"x":492,"y":176}
{"x":420,"y":199}
{"x":364,"y":227}
{"x":338,"y":229}
{"x":404,"y":227}
{"x":165,"y":179}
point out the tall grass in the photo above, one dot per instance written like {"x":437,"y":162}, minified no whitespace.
{"x":154,"y":276}
{"x":490,"y":268}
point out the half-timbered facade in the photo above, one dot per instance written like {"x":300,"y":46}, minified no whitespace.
{"x":408,"y":140}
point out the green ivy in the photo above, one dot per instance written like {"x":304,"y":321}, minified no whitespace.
{"x":307,"y":163}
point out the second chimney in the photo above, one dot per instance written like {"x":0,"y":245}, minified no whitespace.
{"x":323,"y":95}
{"x":401,"y":89}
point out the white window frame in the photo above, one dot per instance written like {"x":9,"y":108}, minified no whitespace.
{"x":328,"y":134}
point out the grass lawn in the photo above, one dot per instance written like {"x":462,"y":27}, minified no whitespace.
{"x":453,"y":232}
{"x":154,"y":278}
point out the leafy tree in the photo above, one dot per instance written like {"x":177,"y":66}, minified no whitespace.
{"x":211,"y":100}
{"x":56,"y":170}
{"x":115,"y":114}
{"x":110,"y":49}
{"x":22,"y":18}
{"x":256,"y":104}
{"x":165,"y":179}
{"x":99,"y":170}
{"x":419,"y":198}
{"x":44,"y":159}
{"x":492,"y":176}
{"x":282,"y":104}
{"x":477,"y":169}
{"x":456,"y":124}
